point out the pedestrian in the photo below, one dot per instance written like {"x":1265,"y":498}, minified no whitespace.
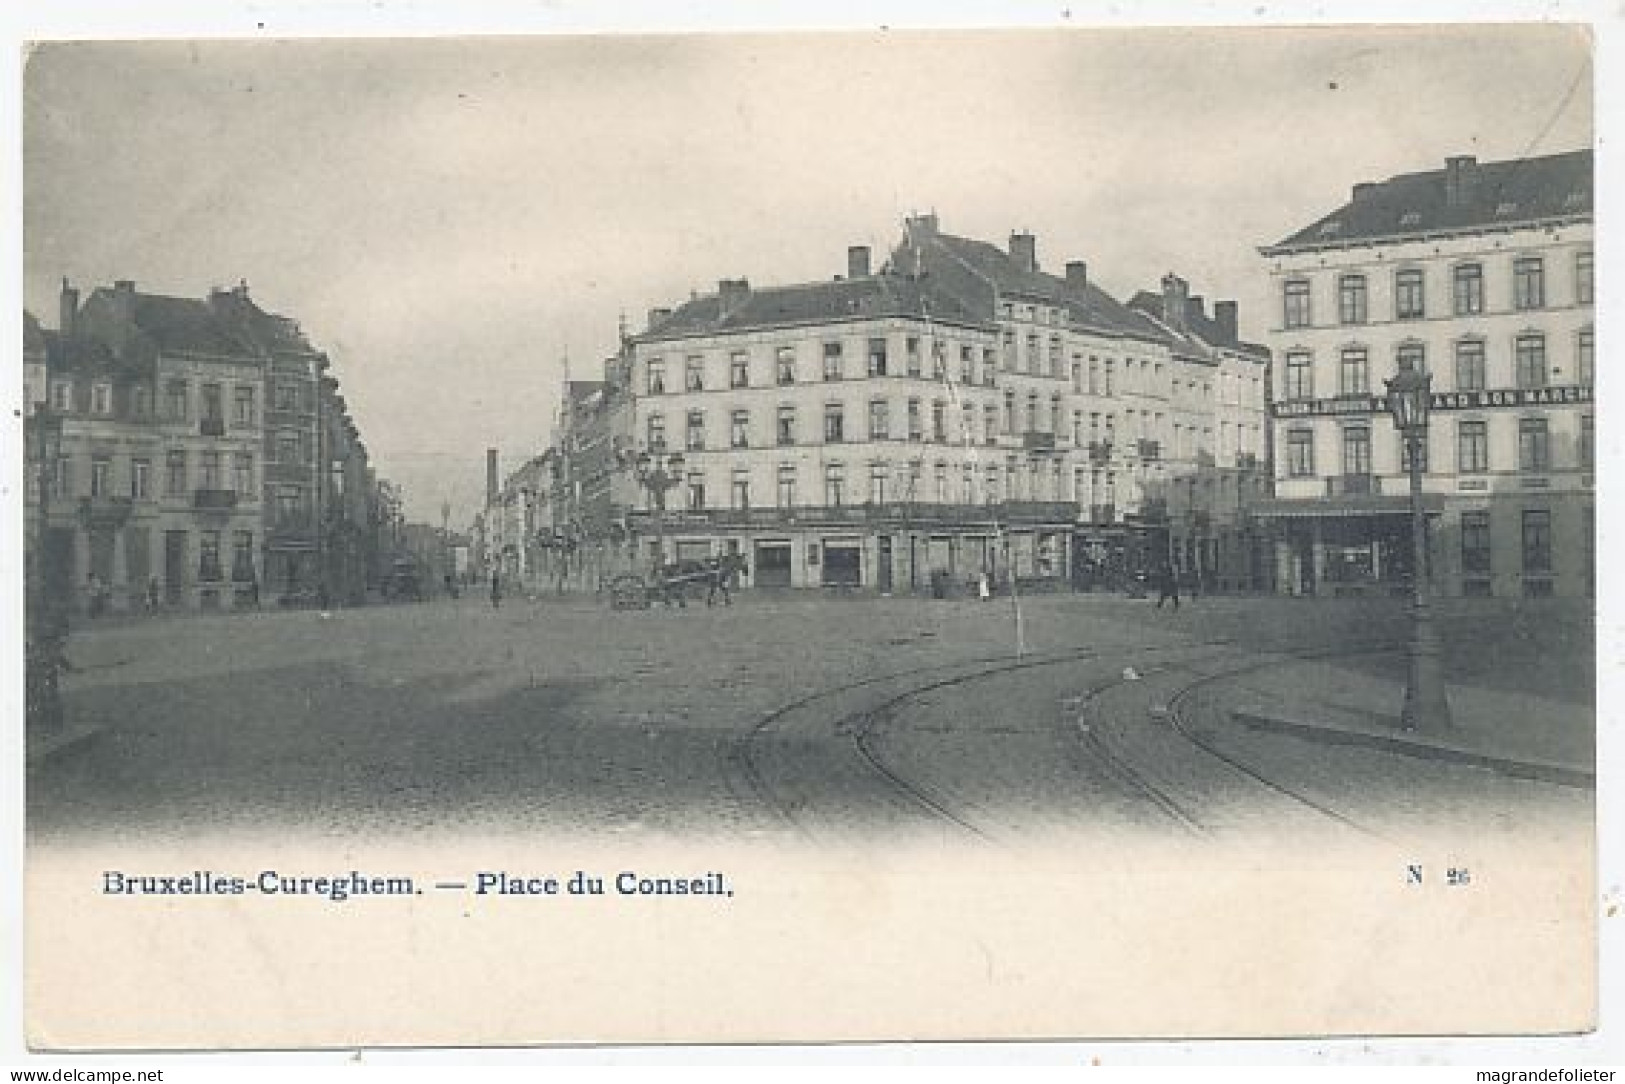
{"x":984,"y":590}
{"x":496,"y":589}
{"x":254,"y":590}
{"x":152,"y":594}
{"x":96,"y":594}
{"x":1167,"y":585}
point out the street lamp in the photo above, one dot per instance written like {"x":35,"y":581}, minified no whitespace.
{"x":658,"y":473}
{"x":1427,"y":708}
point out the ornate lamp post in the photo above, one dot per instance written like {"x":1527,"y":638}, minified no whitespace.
{"x":1427,"y":709}
{"x":658,"y":473}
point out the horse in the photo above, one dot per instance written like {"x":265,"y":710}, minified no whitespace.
{"x":719,"y":575}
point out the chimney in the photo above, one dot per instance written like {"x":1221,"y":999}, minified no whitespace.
{"x":1363,"y":189}
{"x":922,"y":226}
{"x":732,"y":293}
{"x":491,"y":486}
{"x":1077,"y":276}
{"x":241,"y":289}
{"x":1224,"y":314}
{"x":857,"y":262}
{"x":1196,"y":309}
{"x":1174,"y":293}
{"x":657,"y":316}
{"x":1460,"y":180}
{"x":1024,"y":251}
{"x":68,"y":308}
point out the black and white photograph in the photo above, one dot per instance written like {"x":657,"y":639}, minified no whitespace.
{"x":1068,"y":532}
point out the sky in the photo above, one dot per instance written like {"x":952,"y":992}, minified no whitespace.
{"x":452,"y":218}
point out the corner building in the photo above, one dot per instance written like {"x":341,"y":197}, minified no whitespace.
{"x":1480,"y":274}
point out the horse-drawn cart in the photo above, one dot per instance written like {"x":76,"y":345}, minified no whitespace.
{"x":671,"y":584}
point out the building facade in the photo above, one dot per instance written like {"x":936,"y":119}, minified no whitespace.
{"x":161,"y":490}
{"x":1480,"y":274}
{"x":960,"y":412}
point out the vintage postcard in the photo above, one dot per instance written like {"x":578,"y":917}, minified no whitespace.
{"x":1078,"y":533}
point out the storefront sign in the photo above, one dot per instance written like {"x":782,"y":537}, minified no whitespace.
{"x":1442,"y":400}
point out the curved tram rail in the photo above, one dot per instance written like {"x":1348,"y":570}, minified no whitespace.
{"x":861,"y":725}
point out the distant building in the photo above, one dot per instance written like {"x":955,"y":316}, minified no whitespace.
{"x":1480,"y":274}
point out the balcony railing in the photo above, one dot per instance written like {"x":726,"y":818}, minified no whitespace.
{"x":212,"y":427}
{"x":887,"y":513}
{"x":105,"y":510}
{"x":1100,"y":451}
{"x":1103,"y":513}
{"x":1353,"y":485}
{"x":1150,"y":450}
{"x":217,"y":499}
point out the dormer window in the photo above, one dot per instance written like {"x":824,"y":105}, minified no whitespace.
{"x":1331,"y":229}
{"x":1575,"y":199}
{"x":1411,"y":218}
{"x":62,"y":396}
{"x":101,"y":399}
{"x":1502,"y":210}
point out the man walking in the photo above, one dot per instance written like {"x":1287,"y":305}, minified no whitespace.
{"x":496,"y":589}
{"x":1167,"y":585}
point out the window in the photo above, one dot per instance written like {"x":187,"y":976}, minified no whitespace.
{"x":915,"y":425}
{"x":741,"y":488}
{"x":990,"y":423}
{"x":1530,"y":354}
{"x":1356,"y":450}
{"x":1467,"y":289}
{"x":1470,"y":365}
{"x":877,"y":357}
{"x":1055,"y":415}
{"x":175,"y":474}
{"x":1300,"y":373}
{"x":1408,"y":300}
{"x":1055,"y":356}
{"x":288,"y":502}
{"x":101,"y":476}
{"x":1300,"y":453}
{"x":175,"y":407}
{"x":879,"y":420}
{"x":287,"y":394}
{"x":991,"y":492}
{"x":287,"y":446}
{"x":834,"y":423}
{"x":696,"y":491}
{"x":1106,"y":388}
{"x":208,"y":555}
{"x":214,"y":409}
{"x":140,"y":474}
{"x":967,"y":365}
{"x":787,"y":485}
{"x":911,"y":351}
{"x":1588,"y":442}
{"x":1007,"y":360}
{"x":989,"y":369}
{"x":62,"y":396}
{"x":785,"y":364}
{"x":101,"y":399}
{"x":1094,"y":375}
{"x":694,"y":373}
{"x":1537,"y":541}
{"x":1585,"y":357}
{"x":786,"y":425}
{"x":739,"y":370}
{"x":1528,"y":283}
{"x":1296,"y":296}
{"x":879,"y":480}
{"x":242,"y":473}
{"x":657,"y":432}
{"x":1534,"y":445}
{"x":1354,"y":372}
{"x":1472,"y":447}
{"x":694,"y":431}
{"x":1411,"y":357}
{"x":1475,"y":543}
{"x":832,"y":361}
{"x":62,"y":479}
{"x":834,"y":484}
{"x":209,"y":471}
{"x":1351,"y":299}
{"x":242,"y":556}
{"x":1585,"y":283}
{"x":243,"y":406}
{"x":939,"y":422}
{"x":141,"y":401}
{"x":1032,"y":412}
{"x":739,"y":429}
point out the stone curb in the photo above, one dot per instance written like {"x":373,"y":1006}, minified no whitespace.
{"x":1546,"y":771}
{"x":57,"y":744}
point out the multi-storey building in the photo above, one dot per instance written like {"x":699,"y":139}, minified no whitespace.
{"x":950,"y":415}
{"x":1480,"y":274}
{"x":178,"y":446}
{"x":158,"y":481}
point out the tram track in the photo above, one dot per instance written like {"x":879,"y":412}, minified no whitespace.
{"x":866,"y":723}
